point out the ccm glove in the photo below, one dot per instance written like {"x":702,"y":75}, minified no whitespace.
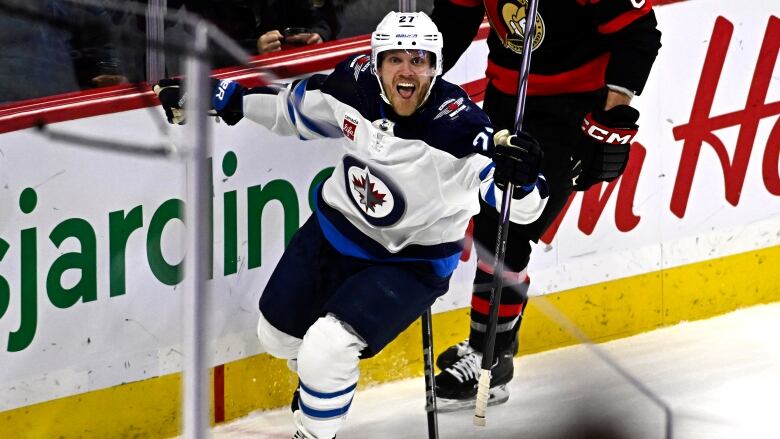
{"x":170,"y":95}
{"x":518,"y":159}
{"x":603,"y":150}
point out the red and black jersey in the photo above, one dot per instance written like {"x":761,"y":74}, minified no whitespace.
{"x":579,"y":46}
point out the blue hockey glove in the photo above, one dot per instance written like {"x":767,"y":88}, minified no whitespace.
{"x":518,"y":159}
{"x":228,"y":101}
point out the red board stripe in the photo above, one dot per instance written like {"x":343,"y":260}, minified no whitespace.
{"x":295,"y":62}
{"x":219,"y":393}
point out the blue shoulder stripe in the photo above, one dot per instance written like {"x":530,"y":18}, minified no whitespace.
{"x":295,"y":100}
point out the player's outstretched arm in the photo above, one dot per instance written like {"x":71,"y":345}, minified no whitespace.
{"x":226,"y":100}
{"x":296,"y":109}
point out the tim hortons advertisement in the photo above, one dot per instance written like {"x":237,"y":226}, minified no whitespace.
{"x":91,"y":242}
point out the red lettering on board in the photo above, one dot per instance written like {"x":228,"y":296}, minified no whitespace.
{"x":595,"y":199}
{"x":701,"y":127}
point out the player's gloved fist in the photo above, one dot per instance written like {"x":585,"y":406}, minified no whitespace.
{"x":228,"y":100}
{"x":518,"y":159}
{"x":603,"y":150}
{"x":172,"y":99}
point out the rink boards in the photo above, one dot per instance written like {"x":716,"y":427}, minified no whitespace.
{"x":90,"y":241}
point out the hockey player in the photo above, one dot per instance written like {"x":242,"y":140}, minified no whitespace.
{"x":389,"y":223}
{"x":589,"y":59}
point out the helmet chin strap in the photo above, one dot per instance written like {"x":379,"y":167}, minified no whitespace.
{"x":382,"y":90}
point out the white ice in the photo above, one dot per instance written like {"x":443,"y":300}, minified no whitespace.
{"x":720,"y":377}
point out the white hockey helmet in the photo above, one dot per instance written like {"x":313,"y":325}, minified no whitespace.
{"x":406,"y":31}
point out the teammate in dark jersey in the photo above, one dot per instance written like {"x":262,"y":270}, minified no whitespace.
{"x":389,"y":223}
{"x":590,"y":57}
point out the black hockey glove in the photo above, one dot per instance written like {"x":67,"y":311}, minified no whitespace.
{"x":170,"y":95}
{"x":518,"y":159}
{"x":603,"y":150}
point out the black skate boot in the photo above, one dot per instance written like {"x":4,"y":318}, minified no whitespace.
{"x":456,"y":351}
{"x":453,"y":354}
{"x":456,"y":386}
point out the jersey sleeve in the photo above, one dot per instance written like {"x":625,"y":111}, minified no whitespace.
{"x":299,"y":109}
{"x":455,"y":124}
{"x":631,"y":30}
{"x":528,"y":201}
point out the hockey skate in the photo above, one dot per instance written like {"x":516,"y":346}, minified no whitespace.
{"x":453,"y":354}
{"x":456,"y":351}
{"x":456,"y":385}
{"x":295,"y":408}
{"x":301,"y":433}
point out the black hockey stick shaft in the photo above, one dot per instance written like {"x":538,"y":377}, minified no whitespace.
{"x":430,"y":384}
{"x":483,"y":389}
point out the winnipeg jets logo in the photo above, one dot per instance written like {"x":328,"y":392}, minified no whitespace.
{"x":373,"y":194}
{"x":360,"y":64}
{"x":369,"y":197}
{"x":451,"y":107}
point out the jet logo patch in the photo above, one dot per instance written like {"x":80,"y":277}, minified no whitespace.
{"x":450,"y":107}
{"x":370,"y":198}
{"x":360,"y":64}
{"x":372,"y":193}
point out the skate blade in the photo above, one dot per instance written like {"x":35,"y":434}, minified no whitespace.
{"x":498,"y":395}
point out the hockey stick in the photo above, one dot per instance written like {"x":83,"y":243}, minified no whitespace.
{"x":430,"y":384}
{"x":483,"y":389}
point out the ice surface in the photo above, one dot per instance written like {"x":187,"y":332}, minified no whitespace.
{"x":721,"y":378}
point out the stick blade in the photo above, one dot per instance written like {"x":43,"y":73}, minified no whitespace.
{"x":498,"y":395}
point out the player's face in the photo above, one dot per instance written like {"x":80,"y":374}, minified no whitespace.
{"x":406,"y":76}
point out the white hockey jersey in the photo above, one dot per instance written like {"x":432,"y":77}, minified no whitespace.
{"x":405,"y":187}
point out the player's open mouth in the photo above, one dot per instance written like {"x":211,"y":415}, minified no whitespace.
{"x":405,"y":89}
